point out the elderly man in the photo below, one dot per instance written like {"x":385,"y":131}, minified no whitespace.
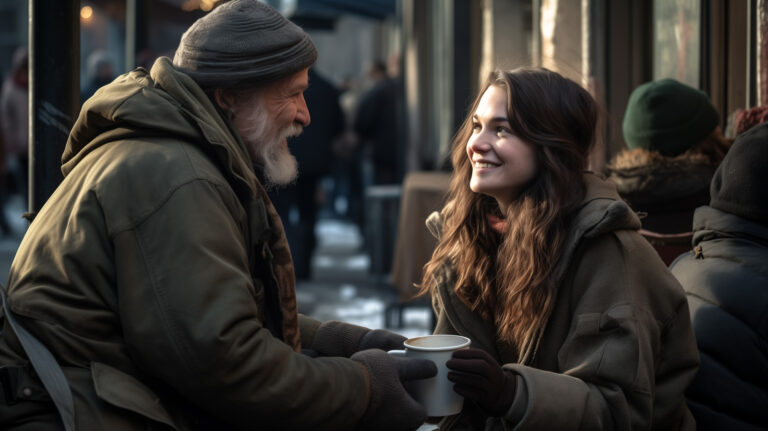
{"x":158,"y":273}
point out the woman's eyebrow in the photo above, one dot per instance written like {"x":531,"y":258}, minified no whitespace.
{"x":493,"y":120}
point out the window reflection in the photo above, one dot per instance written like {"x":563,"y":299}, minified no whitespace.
{"x":676,"y":40}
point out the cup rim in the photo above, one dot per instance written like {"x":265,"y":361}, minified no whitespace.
{"x":464,"y":343}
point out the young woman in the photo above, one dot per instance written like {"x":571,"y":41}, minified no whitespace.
{"x":575,"y":321}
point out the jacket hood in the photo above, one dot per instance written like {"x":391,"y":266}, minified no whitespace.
{"x":644,"y":179}
{"x":160,"y":103}
{"x":601,"y":211}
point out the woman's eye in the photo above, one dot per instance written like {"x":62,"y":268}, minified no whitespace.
{"x":476,"y":127}
{"x":501,"y":130}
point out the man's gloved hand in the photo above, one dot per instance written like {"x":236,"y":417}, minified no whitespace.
{"x":334,"y":338}
{"x":478,"y":377}
{"x":381,"y":339}
{"x":390,"y":406}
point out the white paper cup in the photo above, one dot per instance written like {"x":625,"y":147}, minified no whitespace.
{"x":436,"y":394}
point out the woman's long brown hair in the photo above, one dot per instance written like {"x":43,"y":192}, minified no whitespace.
{"x":506,"y":277}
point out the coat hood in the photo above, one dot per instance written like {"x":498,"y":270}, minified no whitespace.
{"x":601,"y":211}
{"x":160,"y":103}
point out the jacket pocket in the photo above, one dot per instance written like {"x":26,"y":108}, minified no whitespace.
{"x":603,"y":346}
{"x":124,"y":391}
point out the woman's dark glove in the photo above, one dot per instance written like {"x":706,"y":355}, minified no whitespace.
{"x":478,"y":377}
{"x":390,"y":407}
{"x":334,"y":338}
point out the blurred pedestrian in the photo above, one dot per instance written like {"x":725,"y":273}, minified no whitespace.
{"x":314,"y":151}
{"x":377,"y":125}
{"x":726,"y":279}
{"x":100,"y":71}
{"x":14,"y":116}
{"x":575,"y":322}
{"x":158,"y":273}
{"x":674,"y":144}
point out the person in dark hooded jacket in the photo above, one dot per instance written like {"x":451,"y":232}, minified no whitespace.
{"x":726,"y":280}
{"x":674,"y":144}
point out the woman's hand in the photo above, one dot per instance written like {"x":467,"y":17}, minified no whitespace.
{"x":478,"y":377}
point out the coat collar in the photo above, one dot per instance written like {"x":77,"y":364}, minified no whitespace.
{"x":710,"y":223}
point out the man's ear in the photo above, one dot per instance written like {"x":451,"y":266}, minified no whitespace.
{"x":225,"y":99}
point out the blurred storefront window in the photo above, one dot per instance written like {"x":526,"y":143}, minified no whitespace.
{"x":676,"y":40}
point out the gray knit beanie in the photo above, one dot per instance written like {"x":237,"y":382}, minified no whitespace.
{"x":243,"y":42}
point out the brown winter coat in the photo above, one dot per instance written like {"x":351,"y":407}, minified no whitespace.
{"x":618,"y":351}
{"x":159,"y":276}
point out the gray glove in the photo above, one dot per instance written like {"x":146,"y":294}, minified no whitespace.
{"x":334,"y":338}
{"x":390,"y":406}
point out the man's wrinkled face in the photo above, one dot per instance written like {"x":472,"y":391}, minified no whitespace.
{"x":266,"y":119}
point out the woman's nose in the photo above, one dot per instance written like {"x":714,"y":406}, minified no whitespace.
{"x":479,"y":143}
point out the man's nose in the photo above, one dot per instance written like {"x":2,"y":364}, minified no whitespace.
{"x":302,"y":114}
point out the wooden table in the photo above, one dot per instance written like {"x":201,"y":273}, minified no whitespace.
{"x":422,"y":193}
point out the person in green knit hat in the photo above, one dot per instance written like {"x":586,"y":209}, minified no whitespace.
{"x":674,"y":144}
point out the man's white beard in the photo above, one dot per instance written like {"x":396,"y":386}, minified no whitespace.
{"x":265,"y":144}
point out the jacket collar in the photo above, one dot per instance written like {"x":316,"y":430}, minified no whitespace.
{"x":214,"y":126}
{"x":710,"y":223}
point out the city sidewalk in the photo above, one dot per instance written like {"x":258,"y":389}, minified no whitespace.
{"x":342,"y":287}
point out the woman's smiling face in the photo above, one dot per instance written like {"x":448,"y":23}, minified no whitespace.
{"x":502,"y":163}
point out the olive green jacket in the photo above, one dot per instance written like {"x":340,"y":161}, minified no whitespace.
{"x":618,"y":350}
{"x":159,"y":276}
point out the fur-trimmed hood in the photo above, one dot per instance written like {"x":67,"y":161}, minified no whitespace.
{"x":647,"y":180}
